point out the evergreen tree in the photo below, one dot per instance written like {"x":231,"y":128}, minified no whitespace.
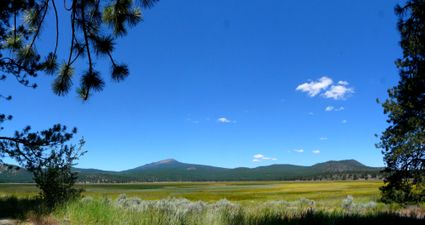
{"x":94,"y":27}
{"x":403,"y":142}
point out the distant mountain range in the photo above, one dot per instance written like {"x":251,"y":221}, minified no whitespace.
{"x":173,"y":170}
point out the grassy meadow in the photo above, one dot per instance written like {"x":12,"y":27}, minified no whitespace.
{"x":213,"y":191}
{"x":325,"y":202}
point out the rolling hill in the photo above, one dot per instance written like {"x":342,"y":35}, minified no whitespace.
{"x":173,"y":170}
{"x":14,"y":174}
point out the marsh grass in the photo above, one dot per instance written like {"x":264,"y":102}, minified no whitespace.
{"x":175,"y":211}
{"x":204,"y":203}
{"x":234,"y":191}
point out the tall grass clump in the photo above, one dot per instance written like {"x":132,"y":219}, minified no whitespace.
{"x":180,"y":211}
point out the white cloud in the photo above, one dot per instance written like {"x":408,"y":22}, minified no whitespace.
{"x":323,"y":138}
{"x":313,"y":88}
{"x":325,"y":87}
{"x":332,"y":108}
{"x":339,"y":91}
{"x":260,"y":158}
{"x":299,"y":150}
{"x":344,"y":121}
{"x":311,"y":113}
{"x":224,"y":120}
{"x":317,"y":151}
{"x":329,"y":108}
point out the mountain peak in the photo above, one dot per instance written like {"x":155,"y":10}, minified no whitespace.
{"x":341,"y":165}
{"x":165,"y":161}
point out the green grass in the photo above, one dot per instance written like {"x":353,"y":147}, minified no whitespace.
{"x":172,"y":211}
{"x":201,"y":203}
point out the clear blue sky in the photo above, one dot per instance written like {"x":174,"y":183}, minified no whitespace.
{"x":234,"y":83}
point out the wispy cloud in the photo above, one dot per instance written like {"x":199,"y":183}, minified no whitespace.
{"x":261,"y":158}
{"x":299,"y":150}
{"x":326,"y":88}
{"x":316,"y":151}
{"x":329,"y":108}
{"x":344,"y":121}
{"x":339,"y":91}
{"x":224,"y":120}
{"x":335,"y":109}
{"x":313,"y":88}
{"x":323,"y":138}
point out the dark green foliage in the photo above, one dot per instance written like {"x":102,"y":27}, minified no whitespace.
{"x":119,"y":72}
{"x":403,"y":142}
{"x":63,"y":81}
{"x":95,"y":25}
{"x":47,"y":156}
{"x":57,"y":185}
{"x":121,"y":12}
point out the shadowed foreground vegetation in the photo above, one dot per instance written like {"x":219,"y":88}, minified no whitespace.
{"x":183,"y":211}
{"x":18,"y":208}
{"x":132,"y":210}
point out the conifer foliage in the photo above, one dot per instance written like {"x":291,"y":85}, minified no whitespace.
{"x":403,"y":142}
{"x":94,"y":28}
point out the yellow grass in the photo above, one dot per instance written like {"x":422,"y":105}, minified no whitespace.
{"x":235,"y":191}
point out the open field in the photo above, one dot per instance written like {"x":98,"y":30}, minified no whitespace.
{"x":234,"y":191}
{"x":220,"y":203}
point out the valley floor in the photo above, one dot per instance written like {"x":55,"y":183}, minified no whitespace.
{"x":234,"y":191}
{"x":325,"y":202}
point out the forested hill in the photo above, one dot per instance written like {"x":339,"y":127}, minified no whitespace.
{"x":173,"y":170}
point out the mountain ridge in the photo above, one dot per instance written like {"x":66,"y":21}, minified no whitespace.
{"x":171,"y":160}
{"x":173,"y":170}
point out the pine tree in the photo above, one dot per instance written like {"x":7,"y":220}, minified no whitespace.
{"x":403,"y":142}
